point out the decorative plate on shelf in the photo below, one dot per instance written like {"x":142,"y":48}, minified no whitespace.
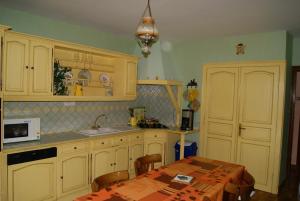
{"x":104,"y":79}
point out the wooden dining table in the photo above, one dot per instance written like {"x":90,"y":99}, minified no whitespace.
{"x":210,"y":177}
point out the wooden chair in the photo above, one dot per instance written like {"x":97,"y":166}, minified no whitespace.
{"x":242,"y":189}
{"x":144,"y":163}
{"x":109,"y":179}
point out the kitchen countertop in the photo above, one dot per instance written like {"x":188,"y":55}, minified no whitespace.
{"x":55,"y":138}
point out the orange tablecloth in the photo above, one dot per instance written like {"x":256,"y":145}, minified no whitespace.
{"x":210,"y":176}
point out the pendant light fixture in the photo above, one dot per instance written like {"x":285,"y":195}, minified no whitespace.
{"x":146,"y":33}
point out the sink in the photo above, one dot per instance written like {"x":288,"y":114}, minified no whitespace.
{"x":99,"y":131}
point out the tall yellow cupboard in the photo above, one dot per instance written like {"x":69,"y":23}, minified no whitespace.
{"x":242,"y":115}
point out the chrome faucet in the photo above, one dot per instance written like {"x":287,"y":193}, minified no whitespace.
{"x":96,"y":124}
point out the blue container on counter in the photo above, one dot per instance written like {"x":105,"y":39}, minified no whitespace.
{"x":190,"y":149}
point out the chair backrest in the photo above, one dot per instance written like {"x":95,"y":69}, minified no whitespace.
{"x":146,"y":163}
{"x":109,"y":179}
{"x":243,"y":189}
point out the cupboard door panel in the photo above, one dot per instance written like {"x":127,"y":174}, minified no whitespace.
{"x":256,"y":159}
{"x":74,"y":173}
{"x":121,"y":158}
{"x":155,"y":147}
{"x":131,"y":80}
{"x":103,"y":162}
{"x":16,"y":64}
{"x":32,"y":181}
{"x":221,"y":113}
{"x":258,"y":120}
{"x":219,"y":149}
{"x":135,"y":151}
{"x":40,"y":68}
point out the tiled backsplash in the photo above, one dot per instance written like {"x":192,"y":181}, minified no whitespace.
{"x":56,"y":117}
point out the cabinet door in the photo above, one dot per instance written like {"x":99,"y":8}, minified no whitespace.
{"x":40,"y":68}
{"x":16,"y":64}
{"x":73,"y":173}
{"x":220,"y":121}
{"x":32,"y":181}
{"x":103,"y":162}
{"x":258,"y":116}
{"x":121,"y":158}
{"x":131,"y":80}
{"x":155,"y":147}
{"x":135,"y":151}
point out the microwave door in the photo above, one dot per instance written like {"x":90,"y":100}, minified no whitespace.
{"x":16,"y":131}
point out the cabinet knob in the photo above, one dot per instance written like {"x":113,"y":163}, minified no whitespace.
{"x":137,"y":136}
{"x":102,"y":142}
{"x":26,"y":67}
{"x":121,"y":139}
{"x":130,"y":159}
{"x":155,"y":135}
{"x":61,"y":177}
{"x":115,"y":163}
{"x":75,"y":147}
{"x":111,"y":164}
{"x":32,"y":67}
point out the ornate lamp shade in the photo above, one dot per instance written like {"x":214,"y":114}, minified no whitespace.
{"x":146,"y":33}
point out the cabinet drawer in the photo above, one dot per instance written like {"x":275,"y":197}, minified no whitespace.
{"x":75,"y":147}
{"x":153,"y":134}
{"x":120,"y":140}
{"x":136,"y":137}
{"x":103,"y":143}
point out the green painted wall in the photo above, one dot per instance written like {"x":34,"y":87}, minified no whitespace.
{"x":32,"y":24}
{"x":296,"y":51}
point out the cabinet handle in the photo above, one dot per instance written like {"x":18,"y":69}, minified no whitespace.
{"x":26,"y":67}
{"x":240,"y":129}
{"x":32,"y":67}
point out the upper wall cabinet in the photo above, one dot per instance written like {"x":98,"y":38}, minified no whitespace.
{"x":27,"y":66}
{"x":91,"y":74}
{"x":38,"y":69}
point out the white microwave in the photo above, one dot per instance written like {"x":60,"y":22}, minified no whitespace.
{"x":20,"y":130}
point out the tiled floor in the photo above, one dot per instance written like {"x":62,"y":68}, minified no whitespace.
{"x":289,"y":191}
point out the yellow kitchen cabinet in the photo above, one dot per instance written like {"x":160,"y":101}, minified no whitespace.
{"x":121,"y":158}
{"x":27,"y":65}
{"x":32,"y":181}
{"x":136,"y":150}
{"x":155,"y":143}
{"x":73,"y":169}
{"x":110,"y":159}
{"x":242,"y":117}
{"x":131,"y":80}
{"x":102,"y":162}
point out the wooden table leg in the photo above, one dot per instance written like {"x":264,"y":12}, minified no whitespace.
{"x":182,"y":136}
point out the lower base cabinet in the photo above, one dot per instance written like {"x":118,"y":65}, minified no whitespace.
{"x":32,"y":181}
{"x":70,"y":174}
{"x":109,"y":160}
{"x":102,"y":162}
{"x":73,"y":171}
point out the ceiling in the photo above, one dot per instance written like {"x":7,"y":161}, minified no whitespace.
{"x":176,"y":19}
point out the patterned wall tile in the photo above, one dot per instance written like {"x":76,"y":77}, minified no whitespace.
{"x":56,"y":117}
